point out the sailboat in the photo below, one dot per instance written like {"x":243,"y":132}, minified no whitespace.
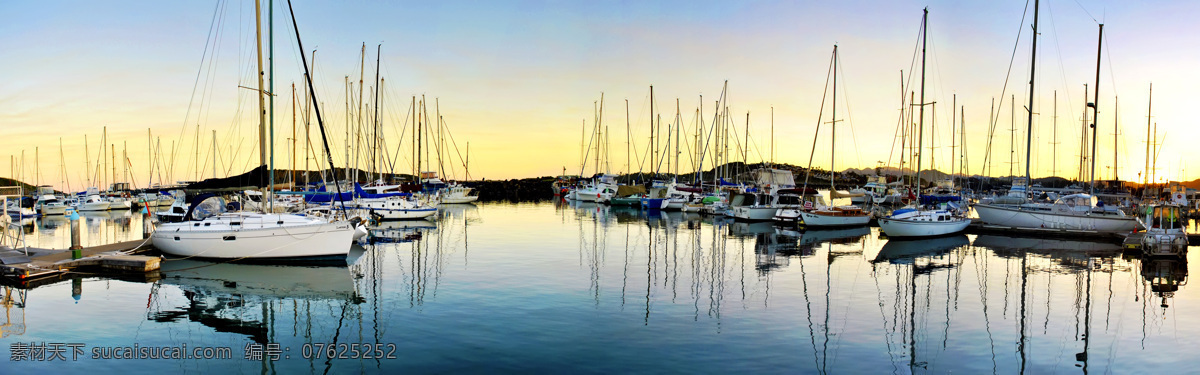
{"x":821,"y":215}
{"x":920,"y":221}
{"x":1077,"y":214}
{"x":209,"y":231}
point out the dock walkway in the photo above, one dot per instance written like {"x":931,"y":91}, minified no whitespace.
{"x":22,"y":269}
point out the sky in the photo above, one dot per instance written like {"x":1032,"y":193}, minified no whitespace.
{"x":520,"y":82}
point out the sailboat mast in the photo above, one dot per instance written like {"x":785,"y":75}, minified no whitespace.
{"x":375,"y":144}
{"x":1116,"y":115}
{"x":262,"y":113}
{"x":833,"y":131}
{"x":678,"y":119}
{"x":362,"y":64}
{"x":313,"y":95}
{"x":1032,"y":69}
{"x":1149,"y":107}
{"x":271,"y":101}
{"x":1095,"y":104}
{"x":653,"y":145}
{"x":1054,"y":147}
{"x":921,"y":105}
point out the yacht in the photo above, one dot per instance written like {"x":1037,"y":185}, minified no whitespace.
{"x":1075,"y":212}
{"x":210,"y":231}
{"x":94,"y":202}
{"x":50,"y":204}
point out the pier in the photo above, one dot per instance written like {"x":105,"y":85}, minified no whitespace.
{"x":35,"y":266}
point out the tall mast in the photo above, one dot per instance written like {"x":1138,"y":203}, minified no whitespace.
{"x":653,"y":145}
{"x":1054,"y":147}
{"x":1095,"y":104}
{"x":1149,"y":107}
{"x":833,"y":129}
{"x":628,"y":167}
{"x":953,"y":133}
{"x":313,"y":95}
{"x":362,"y":64}
{"x":271,"y":100}
{"x":262,"y":112}
{"x":1032,"y":69}
{"x":375,"y":137}
{"x":293,"y":172}
{"x":1116,"y":115}
{"x":678,"y":119}
{"x":921,"y":110}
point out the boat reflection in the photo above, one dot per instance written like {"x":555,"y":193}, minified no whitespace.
{"x":904,"y":251}
{"x":1165,"y":276}
{"x":1010,"y":244}
{"x":247,"y":298}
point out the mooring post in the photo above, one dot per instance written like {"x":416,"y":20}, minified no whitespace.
{"x":76,"y":289}
{"x":76,"y":246}
{"x":147,"y":226}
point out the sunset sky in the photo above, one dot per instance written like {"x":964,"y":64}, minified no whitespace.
{"x":517,"y":79}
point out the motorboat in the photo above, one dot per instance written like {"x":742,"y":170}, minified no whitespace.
{"x":94,"y":202}
{"x":1165,"y":234}
{"x":50,"y":204}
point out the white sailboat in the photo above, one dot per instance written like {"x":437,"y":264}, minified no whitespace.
{"x":210,"y":232}
{"x":1077,"y":214}
{"x":920,"y":221}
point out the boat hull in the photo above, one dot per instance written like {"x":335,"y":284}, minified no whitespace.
{"x":460,"y":200}
{"x":918,"y":228}
{"x":94,"y":206}
{"x":54,"y":210}
{"x":815,"y":219}
{"x":310,"y":241}
{"x":1024,"y":219}
{"x":753,"y":213}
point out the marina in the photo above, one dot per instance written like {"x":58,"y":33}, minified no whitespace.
{"x":283,"y":198}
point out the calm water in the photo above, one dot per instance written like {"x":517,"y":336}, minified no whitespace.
{"x":591,"y":289}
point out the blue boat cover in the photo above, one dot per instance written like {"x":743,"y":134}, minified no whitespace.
{"x":935,"y":199}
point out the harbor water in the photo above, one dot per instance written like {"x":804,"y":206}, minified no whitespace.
{"x":584,"y":288}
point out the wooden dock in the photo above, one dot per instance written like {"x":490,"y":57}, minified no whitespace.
{"x":42,"y":265}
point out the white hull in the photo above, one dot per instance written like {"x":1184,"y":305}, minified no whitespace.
{"x":94,"y":206}
{"x":257,"y":236}
{"x":54,"y":210}
{"x":120,"y":204}
{"x":815,"y":219}
{"x":460,"y":199}
{"x":916,"y":228}
{"x":753,"y":213}
{"x":1024,"y":219}
{"x":396,"y":209}
{"x":673,"y":204}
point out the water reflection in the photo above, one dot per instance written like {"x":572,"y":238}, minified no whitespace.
{"x":525,"y":287}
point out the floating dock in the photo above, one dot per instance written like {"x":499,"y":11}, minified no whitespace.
{"x":49,"y":265}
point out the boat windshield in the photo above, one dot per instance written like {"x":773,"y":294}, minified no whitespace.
{"x":1077,"y":200}
{"x":208,"y":208}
